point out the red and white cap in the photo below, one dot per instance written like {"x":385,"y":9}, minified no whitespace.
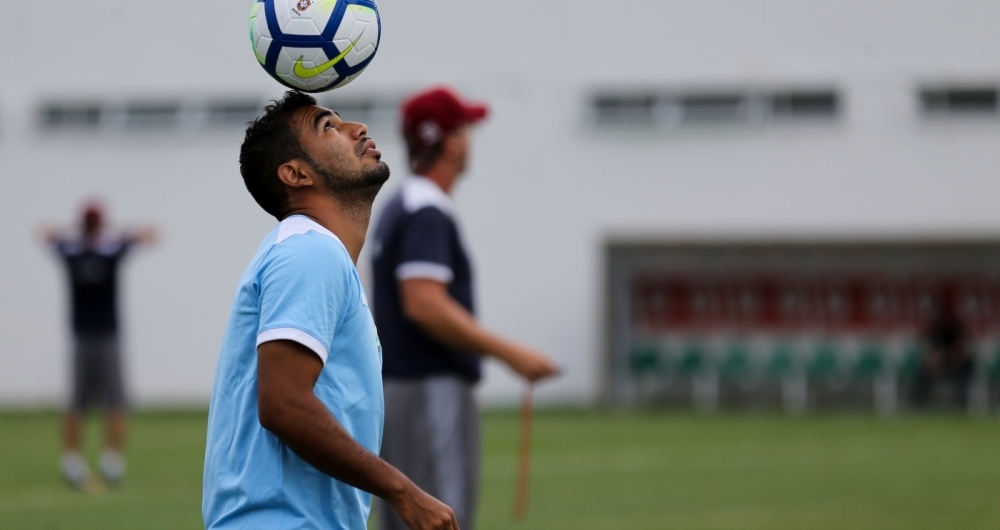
{"x":428,"y":116}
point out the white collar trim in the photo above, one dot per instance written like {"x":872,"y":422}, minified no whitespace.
{"x":420,"y":192}
{"x":300,"y":224}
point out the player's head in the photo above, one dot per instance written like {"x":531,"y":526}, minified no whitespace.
{"x":299,"y":147}
{"x":436,"y":129}
{"x":92,"y":218}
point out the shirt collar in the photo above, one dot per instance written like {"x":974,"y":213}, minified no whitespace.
{"x":420,"y":192}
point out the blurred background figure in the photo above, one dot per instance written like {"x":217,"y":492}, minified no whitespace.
{"x":92,"y":255}
{"x":946,"y":357}
{"x":425,"y":314}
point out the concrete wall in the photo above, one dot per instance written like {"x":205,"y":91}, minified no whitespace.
{"x":546,"y":188}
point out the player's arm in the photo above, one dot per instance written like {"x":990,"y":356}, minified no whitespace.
{"x":287,"y":406}
{"x":49,"y":235}
{"x":146,"y":235}
{"x":427,"y":303}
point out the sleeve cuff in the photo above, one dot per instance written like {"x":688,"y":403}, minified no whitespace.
{"x":294,"y":335}
{"x":424,"y":270}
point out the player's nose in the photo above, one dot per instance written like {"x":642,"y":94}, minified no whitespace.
{"x":357,"y":130}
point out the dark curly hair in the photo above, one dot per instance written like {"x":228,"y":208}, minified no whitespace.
{"x":270,"y":142}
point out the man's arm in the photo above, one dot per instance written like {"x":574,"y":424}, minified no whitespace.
{"x":287,"y":406}
{"x":428,"y":304}
{"x":146,"y":235}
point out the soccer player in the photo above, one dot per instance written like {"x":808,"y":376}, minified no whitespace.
{"x":295,"y":421}
{"x":424,"y":307}
{"x":92,"y":257}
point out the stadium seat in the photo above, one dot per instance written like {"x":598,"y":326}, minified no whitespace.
{"x":824,"y":364}
{"x":869,"y":363}
{"x":781,"y":362}
{"x":736,"y":363}
{"x":692,"y":361}
{"x":644,"y":360}
{"x":909,"y":365}
{"x":993,"y":370}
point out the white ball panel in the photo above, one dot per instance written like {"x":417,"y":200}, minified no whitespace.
{"x":311,"y":58}
{"x":261,"y":47}
{"x":309,"y":21}
{"x":323,"y":11}
{"x":294,"y":81}
{"x":258,"y":20}
{"x":348,"y":79}
{"x":359,"y":23}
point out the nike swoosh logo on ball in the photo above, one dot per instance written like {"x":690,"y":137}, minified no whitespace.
{"x":306,"y":73}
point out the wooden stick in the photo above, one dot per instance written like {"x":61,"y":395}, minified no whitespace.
{"x":524,"y":462}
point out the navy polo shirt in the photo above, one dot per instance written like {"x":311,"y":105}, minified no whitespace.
{"x":417,"y":237}
{"x":93,"y":279}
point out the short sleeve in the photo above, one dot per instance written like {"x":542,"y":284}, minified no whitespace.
{"x":305,"y":292}
{"x":425,"y":247}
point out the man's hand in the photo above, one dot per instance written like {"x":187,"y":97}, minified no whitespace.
{"x":428,"y":304}
{"x":49,"y":235}
{"x":530,"y":364}
{"x":146,"y":235}
{"x":420,"y":511}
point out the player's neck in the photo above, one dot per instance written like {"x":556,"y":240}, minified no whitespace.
{"x":350,"y":225}
{"x":441,"y":175}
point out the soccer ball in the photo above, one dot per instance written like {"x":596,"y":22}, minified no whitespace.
{"x":315,"y":45}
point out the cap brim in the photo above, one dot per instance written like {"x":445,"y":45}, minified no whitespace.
{"x":476,"y":112}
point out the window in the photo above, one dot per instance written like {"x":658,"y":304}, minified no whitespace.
{"x":791,"y":105}
{"x":739,"y":108}
{"x":80,"y":115}
{"x":959,"y":101}
{"x":152,"y":115}
{"x":147,"y":116}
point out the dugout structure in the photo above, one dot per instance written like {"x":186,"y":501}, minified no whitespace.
{"x":792,"y":324}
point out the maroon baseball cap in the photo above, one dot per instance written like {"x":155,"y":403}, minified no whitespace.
{"x":429,"y":115}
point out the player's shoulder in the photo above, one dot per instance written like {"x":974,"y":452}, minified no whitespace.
{"x":419,"y":195}
{"x":304,"y":240}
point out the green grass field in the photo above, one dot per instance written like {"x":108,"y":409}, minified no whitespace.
{"x":592,"y":471}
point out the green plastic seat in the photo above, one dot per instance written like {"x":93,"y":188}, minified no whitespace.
{"x":909,"y":365}
{"x":824,"y":364}
{"x":644,"y":359}
{"x":736,"y":363}
{"x":692,"y":361}
{"x":870,"y":363}
{"x":780,"y":363}
{"x":993,"y":369}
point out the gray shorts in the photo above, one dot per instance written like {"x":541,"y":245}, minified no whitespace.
{"x":97,"y":373}
{"x":432,"y":436}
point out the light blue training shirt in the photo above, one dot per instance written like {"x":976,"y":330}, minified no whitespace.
{"x":301,"y":286}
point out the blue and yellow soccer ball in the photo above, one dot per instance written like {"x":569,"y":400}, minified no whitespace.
{"x":315,"y":45}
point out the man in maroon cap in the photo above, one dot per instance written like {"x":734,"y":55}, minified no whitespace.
{"x":92,"y":257}
{"x":432,"y":344}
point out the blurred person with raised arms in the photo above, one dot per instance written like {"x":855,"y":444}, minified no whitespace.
{"x":424,"y":308}
{"x":92,"y":256}
{"x":295,"y":421}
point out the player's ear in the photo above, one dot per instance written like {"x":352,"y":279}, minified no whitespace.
{"x":296,"y":173}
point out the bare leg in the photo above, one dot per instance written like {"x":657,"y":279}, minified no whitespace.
{"x":112,"y":462}
{"x":74,"y":467}
{"x":115,"y":424}
{"x":72,"y":431}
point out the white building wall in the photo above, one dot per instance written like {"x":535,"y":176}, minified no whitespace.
{"x":545,"y":189}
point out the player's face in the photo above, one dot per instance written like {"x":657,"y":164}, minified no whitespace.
{"x":331,"y":140}
{"x":458,"y":148}
{"x":341,"y":152}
